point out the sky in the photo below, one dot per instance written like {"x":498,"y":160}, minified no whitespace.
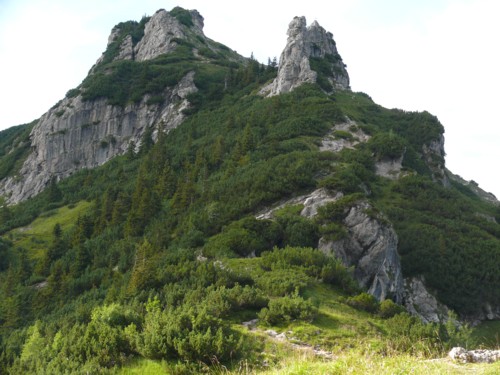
{"x":441,"y":56}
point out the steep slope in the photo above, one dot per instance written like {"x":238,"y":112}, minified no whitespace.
{"x":113,"y":107}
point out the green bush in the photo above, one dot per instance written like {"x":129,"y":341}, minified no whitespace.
{"x":287,"y":309}
{"x":182,"y":15}
{"x":388,"y":309}
{"x":364,"y":301}
{"x":281,"y":282}
{"x":387,"y":145}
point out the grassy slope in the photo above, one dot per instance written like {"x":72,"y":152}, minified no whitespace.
{"x":355,"y":338}
{"x":38,"y":235}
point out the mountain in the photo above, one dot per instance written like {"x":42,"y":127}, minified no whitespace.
{"x":182,"y":188}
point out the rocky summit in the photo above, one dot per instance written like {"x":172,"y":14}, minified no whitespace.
{"x":78,"y":134}
{"x":306,"y":43}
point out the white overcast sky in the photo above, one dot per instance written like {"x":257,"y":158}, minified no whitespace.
{"x":442,"y":56}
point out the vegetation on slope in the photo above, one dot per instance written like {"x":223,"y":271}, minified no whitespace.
{"x":154,"y":266}
{"x":14,"y":148}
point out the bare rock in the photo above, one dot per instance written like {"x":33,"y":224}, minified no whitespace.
{"x":389,"y":168}
{"x":420,"y":302}
{"x":161,"y":33}
{"x":126,"y":49}
{"x":434,"y":157}
{"x":334,"y":143}
{"x":371,"y":248}
{"x":79,"y":134}
{"x":302,"y":44}
{"x":462,"y":355}
{"x":311,"y":203}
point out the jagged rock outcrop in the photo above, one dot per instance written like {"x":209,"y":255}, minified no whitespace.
{"x":126,"y":49}
{"x":80,"y":134}
{"x":161,"y":35}
{"x":434,"y":154}
{"x":294,"y":66}
{"x":161,"y":32}
{"x":371,"y":247}
{"x":419,"y":302}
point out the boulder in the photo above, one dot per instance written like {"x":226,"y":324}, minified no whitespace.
{"x":462,"y":355}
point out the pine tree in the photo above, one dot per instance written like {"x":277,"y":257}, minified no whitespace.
{"x":141,"y":272}
{"x":54,"y":193}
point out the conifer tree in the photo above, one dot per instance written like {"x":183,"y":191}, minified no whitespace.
{"x":54,"y":193}
{"x":143,"y":265}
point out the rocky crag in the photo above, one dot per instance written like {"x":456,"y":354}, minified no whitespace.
{"x":78,"y":133}
{"x":306,"y":43}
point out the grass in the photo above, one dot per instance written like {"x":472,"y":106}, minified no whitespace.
{"x":487,"y":334}
{"x":143,"y":367}
{"x":356,"y":340}
{"x":36,"y":236}
{"x":356,"y":362}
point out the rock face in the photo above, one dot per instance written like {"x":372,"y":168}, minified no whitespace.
{"x":161,"y":32}
{"x":419,"y":302}
{"x":335,"y":143}
{"x":294,"y":67}
{"x":390,"y":168}
{"x":78,"y":134}
{"x":371,"y":247}
{"x":311,"y":203}
{"x":434,"y":154}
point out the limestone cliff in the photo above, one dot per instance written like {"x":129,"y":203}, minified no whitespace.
{"x":371,"y":248}
{"x":78,"y":133}
{"x":306,"y":45}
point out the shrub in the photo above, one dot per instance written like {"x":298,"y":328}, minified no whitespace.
{"x":182,"y":15}
{"x":387,"y":145}
{"x":72,"y":93}
{"x":364,"y":301}
{"x":388,"y":309}
{"x":287,"y":309}
{"x":282,"y":281}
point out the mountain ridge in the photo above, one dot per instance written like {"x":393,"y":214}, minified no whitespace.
{"x":195,"y":188}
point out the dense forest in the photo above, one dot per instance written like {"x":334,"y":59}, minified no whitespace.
{"x":158,"y":254}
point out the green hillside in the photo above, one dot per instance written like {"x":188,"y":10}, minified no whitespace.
{"x":152,"y":262}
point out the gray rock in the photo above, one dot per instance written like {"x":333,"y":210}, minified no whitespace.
{"x":390,"y":168}
{"x":126,"y":49}
{"x":161,"y":32}
{"x":79,"y":134}
{"x":371,"y":248}
{"x":474,"y":356}
{"x":336,"y":144}
{"x":294,"y":68}
{"x":311,"y":202}
{"x":434,"y":157}
{"x":420,"y":302}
